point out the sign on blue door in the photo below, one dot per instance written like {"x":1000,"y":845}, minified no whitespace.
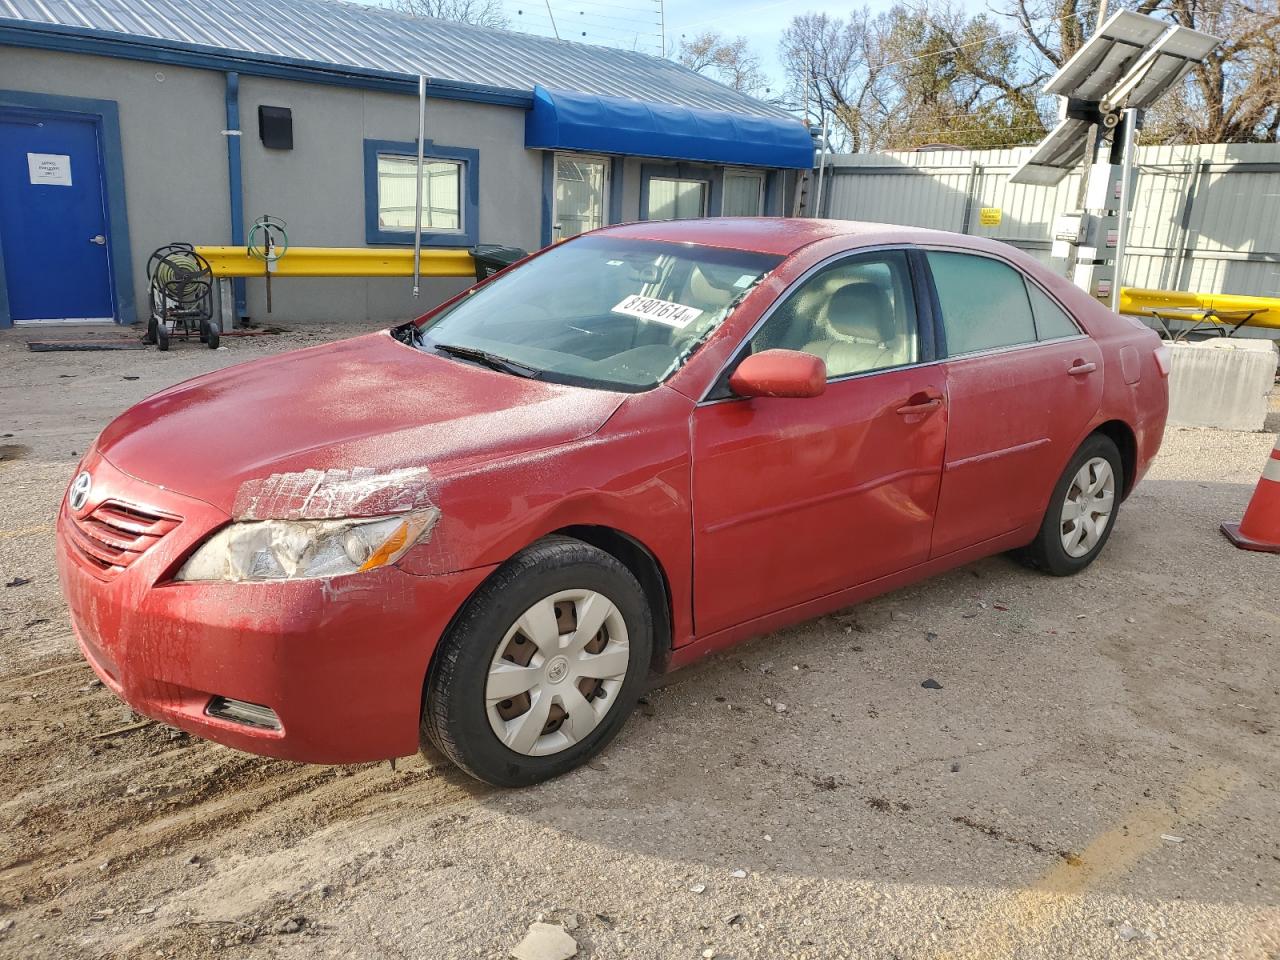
{"x":53,"y":221}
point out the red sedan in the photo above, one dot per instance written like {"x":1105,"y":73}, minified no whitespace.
{"x":487,"y":528}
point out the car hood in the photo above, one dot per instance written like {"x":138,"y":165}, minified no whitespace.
{"x":355,"y":427}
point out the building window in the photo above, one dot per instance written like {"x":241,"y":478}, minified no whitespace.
{"x":581,"y":195}
{"x":450,"y":193}
{"x":743,"y":195}
{"x":672,"y":199}
{"x":397,"y":193}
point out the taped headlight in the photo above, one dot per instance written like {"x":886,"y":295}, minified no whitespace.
{"x":305,"y":549}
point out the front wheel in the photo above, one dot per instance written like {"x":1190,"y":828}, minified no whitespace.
{"x":542,"y":667}
{"x":1082,"y":510}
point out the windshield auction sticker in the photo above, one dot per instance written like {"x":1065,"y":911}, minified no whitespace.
{"x":659,"y":311}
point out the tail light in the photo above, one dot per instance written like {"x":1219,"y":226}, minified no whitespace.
{"x":1164,"y":359}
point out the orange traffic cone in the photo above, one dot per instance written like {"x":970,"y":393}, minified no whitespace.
{"x":1260,"y":528}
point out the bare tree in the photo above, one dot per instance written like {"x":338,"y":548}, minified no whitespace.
{"x":834,"y":69}
{"x":729,"y":61}
{"x":904,"y":78}
{"x":481,"y":13}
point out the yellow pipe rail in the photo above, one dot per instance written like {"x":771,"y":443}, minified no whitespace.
{"x":1140,"y":302}
{"x":339,"y":262}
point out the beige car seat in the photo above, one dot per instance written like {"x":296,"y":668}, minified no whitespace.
{"x":863,"y":332}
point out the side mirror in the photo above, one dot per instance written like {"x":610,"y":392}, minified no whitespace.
{"x":780,"y":373}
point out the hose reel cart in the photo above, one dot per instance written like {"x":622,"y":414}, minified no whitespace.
{"x":181,"y":292}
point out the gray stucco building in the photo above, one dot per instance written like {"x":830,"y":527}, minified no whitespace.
{"x":127,"y":124}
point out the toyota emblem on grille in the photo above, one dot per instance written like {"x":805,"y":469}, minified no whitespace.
{"x":80,"y":488}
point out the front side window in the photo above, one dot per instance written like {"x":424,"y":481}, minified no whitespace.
{"x":743,"y":195}
{"x":984,"y":303}
{"x":397,"y":194}
{"x":582,"y":195}
{"x":858,"y":315}
{"x":598,"y":311}
{"x":673,"y":199}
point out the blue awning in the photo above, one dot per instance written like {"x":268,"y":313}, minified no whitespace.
{"x":584,"y":121}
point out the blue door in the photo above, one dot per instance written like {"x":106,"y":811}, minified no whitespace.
{"x":53,"y":221}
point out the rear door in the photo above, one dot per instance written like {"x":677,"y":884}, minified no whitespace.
{"x":1023,"y":384}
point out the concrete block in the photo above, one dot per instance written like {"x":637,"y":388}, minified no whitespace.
{"x":1221,"y":383}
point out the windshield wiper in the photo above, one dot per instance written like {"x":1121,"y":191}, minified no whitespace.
{"x":491,"y":360}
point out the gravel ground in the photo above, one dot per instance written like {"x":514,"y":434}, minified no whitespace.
{"x":1096,"y":777}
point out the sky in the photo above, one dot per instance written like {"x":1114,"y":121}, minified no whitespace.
{"x":637,"y":23}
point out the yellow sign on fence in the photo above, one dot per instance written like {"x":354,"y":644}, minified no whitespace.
{"x":989,"y":216}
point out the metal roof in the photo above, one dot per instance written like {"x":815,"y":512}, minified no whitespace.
{"x":382,"y":42}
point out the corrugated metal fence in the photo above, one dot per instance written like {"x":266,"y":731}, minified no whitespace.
{"x":1205,"y":218}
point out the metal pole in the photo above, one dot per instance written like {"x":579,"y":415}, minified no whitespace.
{"x":822,"y":169}
{"x":1126,"y":198}
{"x":417,"y":205}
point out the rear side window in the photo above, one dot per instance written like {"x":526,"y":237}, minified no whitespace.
{"x":984,"y":303}
{"x":1052,"y":322}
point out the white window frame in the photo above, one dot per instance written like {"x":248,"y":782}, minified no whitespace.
{"x":706,"y":192}
{"x":427,"y":228}
{"x":606,"y":197}
{"x":756,"y":175}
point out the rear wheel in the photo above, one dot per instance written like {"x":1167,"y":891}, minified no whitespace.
{"x":542,"y":667}
{"x":1082,"y":511}
{"x":162,"y":335}
{"x":213,"y":334}
{"x":150,"y":336}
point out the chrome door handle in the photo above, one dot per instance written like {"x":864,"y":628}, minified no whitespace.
{"x":1080,"y":369}
{"x":100,"y":240}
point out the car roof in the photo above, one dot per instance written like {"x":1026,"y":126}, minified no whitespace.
{"x":782,"y":235}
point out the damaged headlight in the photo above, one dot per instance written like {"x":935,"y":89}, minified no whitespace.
{"x":305,"y":549}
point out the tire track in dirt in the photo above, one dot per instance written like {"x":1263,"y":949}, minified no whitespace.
{"x":95,"y":829}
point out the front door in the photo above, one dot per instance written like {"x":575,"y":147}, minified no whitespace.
{"x":53,"y":222}
{"x":796,"y":499}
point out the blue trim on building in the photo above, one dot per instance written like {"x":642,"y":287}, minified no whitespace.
{"x":105,"y":115}
{"x":597,"y":124}
{"x":235,"y":185}
{"x":44,"y":36}
{"x":712,"y":176}
{"x":548,"y":196}
{"x":468,"y":236}
{"x":617,"y":166}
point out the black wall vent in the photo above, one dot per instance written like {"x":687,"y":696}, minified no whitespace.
{"x":275,"y":127}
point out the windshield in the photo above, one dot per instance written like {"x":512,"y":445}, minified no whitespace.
{"x":598,"y":311}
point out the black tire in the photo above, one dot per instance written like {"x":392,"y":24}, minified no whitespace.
{"x":454,"y":716}
{"x":162,"y":336}
{"x":150,"y":336}
{"x":1046,"y":552}
{"x":204,"y":332}
{"x":213,"y":334}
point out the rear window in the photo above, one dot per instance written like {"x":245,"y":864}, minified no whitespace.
{"x":984,"y":303}
{"x":1052,"y":322}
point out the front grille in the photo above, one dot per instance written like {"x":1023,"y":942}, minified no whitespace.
{"x":115,"y":534}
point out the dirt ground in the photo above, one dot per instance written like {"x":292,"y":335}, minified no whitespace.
{"x":1097,"y":776}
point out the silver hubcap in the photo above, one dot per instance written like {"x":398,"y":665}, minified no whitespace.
{"x":557,"y":672}
{"x":1087,"y":510}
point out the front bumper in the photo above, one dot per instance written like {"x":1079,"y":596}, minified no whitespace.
{"x":341,"y":661}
